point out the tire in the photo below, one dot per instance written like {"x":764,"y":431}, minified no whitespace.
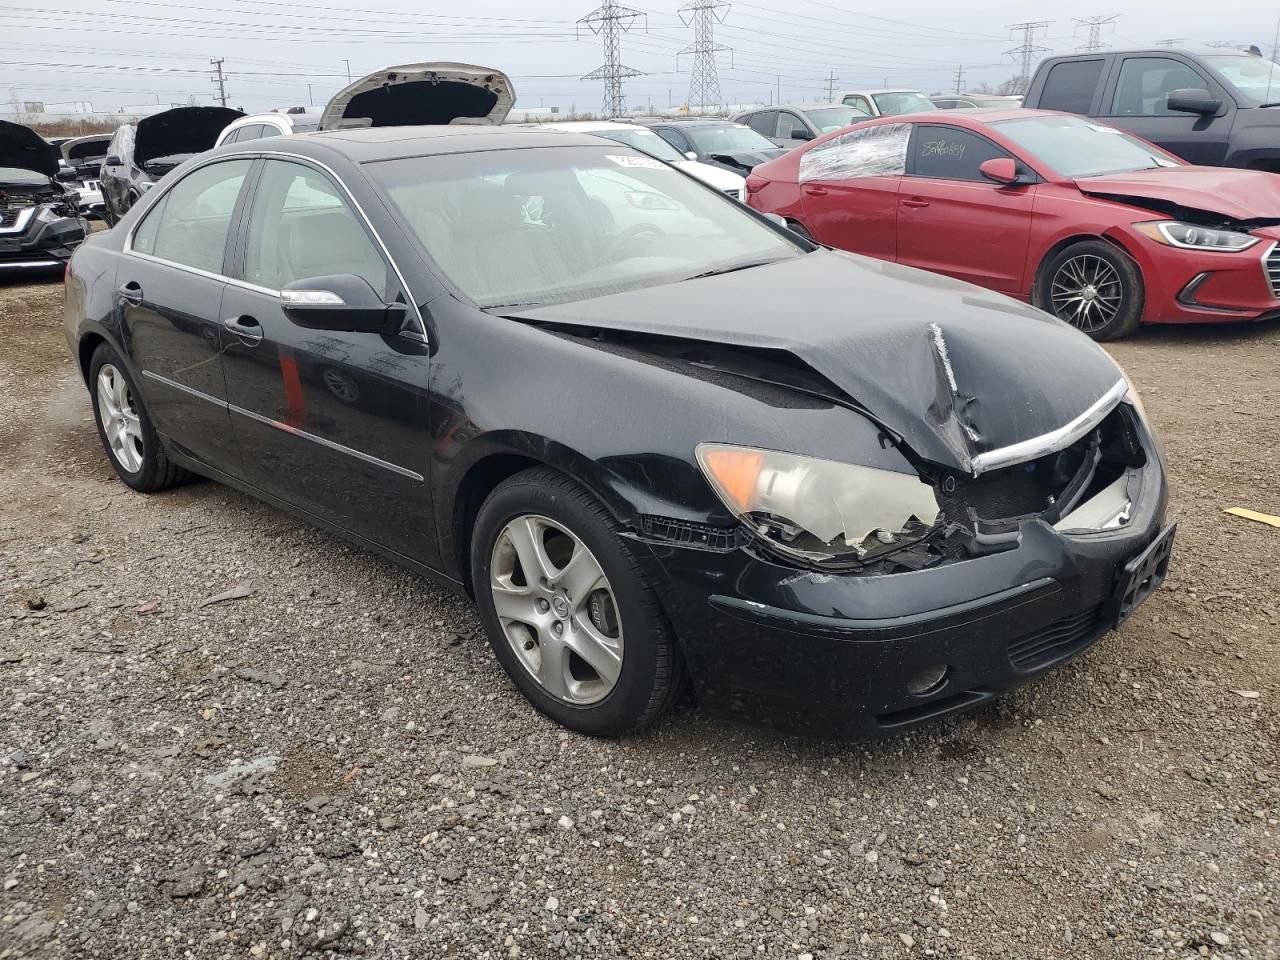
{"x":800,"y":231}
{"x":1106,"y":276}
{"x":136,"y":455}
{"x":542,"y":505}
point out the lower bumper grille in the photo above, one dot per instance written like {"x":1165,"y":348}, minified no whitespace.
{"x":1056,"y":640}
{"x":1273,"y":270}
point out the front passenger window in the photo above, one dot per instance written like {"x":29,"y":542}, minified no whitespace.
{"x":189,"y":224}
{"x":300,"y":227}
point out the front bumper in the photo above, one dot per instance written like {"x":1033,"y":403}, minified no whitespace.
{"x":836,"y":654}
{"x":42,"y":245}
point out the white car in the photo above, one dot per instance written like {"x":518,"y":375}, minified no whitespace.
{"x":261,"y":125}
{"x":642,"y":138}
{"x":84,"y":155}
{"x":886,"y":103}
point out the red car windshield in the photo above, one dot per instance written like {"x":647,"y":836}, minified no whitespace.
{"x":1076,"y":147}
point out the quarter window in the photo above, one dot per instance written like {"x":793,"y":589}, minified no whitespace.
{"x":189,"y":224}
{"x":879,"y":151}
{"x":1070,"y":86}
{"x":762,"y":122}
{"x":1145,"y":85}
{"x":301,"y":227}
{"x":950,"y":153}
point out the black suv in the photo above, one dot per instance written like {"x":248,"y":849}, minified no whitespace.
{"x":1213,"y":107}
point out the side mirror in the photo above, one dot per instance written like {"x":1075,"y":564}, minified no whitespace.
{"x":1193,"y":100}
{"x":690,"y":155}
{"x":800,"y":133}
{"x":343,"y":303}
{"x":67,"y":175}
{"x":111,"y":160}
{"x":1001,"y":170}
{"x":776,"y":219}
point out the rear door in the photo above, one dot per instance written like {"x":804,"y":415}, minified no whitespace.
{"x":328,"y":421}
{"x":849,"y":189}
{"x":1137,"y":101}
{"x":170,"y":285}
{"x":953,"y":220}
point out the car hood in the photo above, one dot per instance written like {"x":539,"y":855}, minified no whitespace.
{"x":422,"y":93}
{"x":182,"y":130}
{"x":718,"y":177}
{"x":953,"y":369}
{"x":81,"y":149}
{"x":746,"y":158}
{"x":25,"y":149}
{"x":1238,"y":194}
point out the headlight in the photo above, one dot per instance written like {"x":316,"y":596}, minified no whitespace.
{"x":50,"y":213}
{"x":819,"y":510}
{"x":1192,"y":236}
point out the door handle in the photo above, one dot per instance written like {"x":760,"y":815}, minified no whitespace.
{"x":131,"y":293}
{"x":246,"y":328}
{"x":917,"y":202}
{"x":814,"y":191}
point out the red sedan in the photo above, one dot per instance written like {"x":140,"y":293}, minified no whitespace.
{"x":1102,"y":229}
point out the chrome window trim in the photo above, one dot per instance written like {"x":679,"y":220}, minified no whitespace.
{"x":1054,"y":440}
{"x":286,"y":428}
{"x":153,"y":197}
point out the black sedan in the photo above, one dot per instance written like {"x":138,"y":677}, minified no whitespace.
{"x":655,"y":436}
{"x":722,"y":143}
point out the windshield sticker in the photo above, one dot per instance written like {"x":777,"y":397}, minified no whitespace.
{"x":1102,"y":129}
{"x":624,"y":161}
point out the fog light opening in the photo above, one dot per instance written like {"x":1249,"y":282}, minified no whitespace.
{"x":929,"y":680}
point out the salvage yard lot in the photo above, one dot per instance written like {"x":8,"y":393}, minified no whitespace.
{"x":335,"y":763}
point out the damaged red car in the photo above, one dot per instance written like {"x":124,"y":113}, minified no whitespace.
{"x":1090,"y":223}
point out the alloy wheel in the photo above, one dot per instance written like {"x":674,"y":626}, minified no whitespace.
{"x":557,"y":609}
{"x":121,"y":424}
{"x":1087,"y":292}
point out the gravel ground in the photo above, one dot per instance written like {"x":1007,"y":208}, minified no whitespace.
{"x":332,"y":763}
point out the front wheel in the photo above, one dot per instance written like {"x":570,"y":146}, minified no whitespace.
{"x":567,"y":608}
{"x":1095,"y":288}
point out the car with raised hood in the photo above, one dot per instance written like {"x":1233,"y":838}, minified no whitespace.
{"x":722,"y":143}
{"x":40,"y":221}
{"x":140,"y":154}
{"x":1101,"y":229}
{"x":910,"y":496}
{"x":276,"y":124}
{"x":82,"y":168}
{"x":790,"y":125}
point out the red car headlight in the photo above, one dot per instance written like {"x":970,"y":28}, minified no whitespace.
{"x":1193,"y":236}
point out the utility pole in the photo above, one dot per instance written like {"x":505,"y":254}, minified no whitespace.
{"x":1028,"y":50}
{"x":1095,"y":24}
{"x":220,"y":80}
{"x":310,"y":99}
{"x":779,"y":78}
{"x":348,"y":63}
{"x":610,"y":21}
{"x":959,"y":79}
{"x":702,"y":16}
{"x":831,"y":82}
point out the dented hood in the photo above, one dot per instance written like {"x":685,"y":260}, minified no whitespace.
{"x":25,"y":149}
{"x":422,"y":93}
{"x":180,"y":131}
{"x":955,"y":370}
{"x":1238,"y":194}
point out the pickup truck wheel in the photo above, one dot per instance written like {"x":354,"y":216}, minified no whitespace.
{"x":1095,"y":288}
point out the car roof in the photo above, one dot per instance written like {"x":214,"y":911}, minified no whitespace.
{"x":690,"y":121}
{"x":845,"y":93}
{"x":814,"y":105}
{"x":973,"y":116}
{"x":1197,"y":51}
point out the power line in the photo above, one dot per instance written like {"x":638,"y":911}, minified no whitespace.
{"x":610,"y":21}
{"x":220,"y":80}
{"x":1095,"y":25}
{"x":703,"y":15}
{"x":1028,"y":50}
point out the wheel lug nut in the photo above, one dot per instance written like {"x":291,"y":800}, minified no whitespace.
{"x":557,"y":628}
{"x":543,"y":606}
{"x":528,"y":644}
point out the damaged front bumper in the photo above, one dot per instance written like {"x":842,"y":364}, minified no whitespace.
{"x":30,"y":244}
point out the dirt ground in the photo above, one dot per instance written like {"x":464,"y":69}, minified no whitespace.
{"x":333,"y":764}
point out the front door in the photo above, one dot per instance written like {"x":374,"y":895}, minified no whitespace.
{"x":169,"y":287}
{"x":1139,"y":104}
{"x":330,"y":422}
{"x":953,"y":220}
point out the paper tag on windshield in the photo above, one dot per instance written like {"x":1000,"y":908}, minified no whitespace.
{"x":624,"y":161}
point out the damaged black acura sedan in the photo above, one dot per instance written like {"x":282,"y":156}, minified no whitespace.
{"x":40,"y":221}
{"x":657,"y":437}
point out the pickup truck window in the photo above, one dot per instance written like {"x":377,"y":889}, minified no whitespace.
{"x":1070,"y":86}
{"x":1145,"y":85}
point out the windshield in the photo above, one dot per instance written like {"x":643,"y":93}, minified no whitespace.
{"x":1255,"y":77}
{"x":833,"y":118}
{"x":307,"y":125}
{"x":20,"y":175}
{"x":726,"y":139}
{"x":645,"y":140}
{"x":908,"y":101}
{"x":529,"y":227}
{"x":1083,"y":148}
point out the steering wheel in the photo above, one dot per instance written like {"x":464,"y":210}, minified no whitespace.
{"x":631,"y":233}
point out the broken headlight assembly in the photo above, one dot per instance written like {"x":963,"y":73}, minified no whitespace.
{"x":1193,"y":236}
{"x":820,"y":511}
{"x":53,"y":212}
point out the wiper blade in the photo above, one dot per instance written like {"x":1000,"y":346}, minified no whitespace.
{"x":1273,"y":103}
{"x":734,"y":269}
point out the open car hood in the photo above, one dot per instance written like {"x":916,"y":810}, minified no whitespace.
{"x":25,"y":149}
{"x":422,"y":93}
{"x":182,"y":130}
{"x":80,"y":149}
{"x":1237,"y":194}
{"x":953,"y":369}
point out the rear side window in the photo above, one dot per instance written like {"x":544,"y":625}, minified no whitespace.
{"x":1070,"y":86}
{"x":189,"y":224}
{"x":949,"y":153}
{"x":872,"y":152}
{"x":762,"y":122}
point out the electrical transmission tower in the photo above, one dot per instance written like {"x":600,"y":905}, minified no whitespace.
{"x":959,"y":79}
{"x":1171,"y":42}
{"x":220,"y":79}
{"x":703,"y":15}
{"x":1095,"y":25}
{"x":1028,"y":51}
{"x":610,"y":21}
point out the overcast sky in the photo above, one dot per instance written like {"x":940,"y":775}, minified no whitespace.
{"x":125,"y":52}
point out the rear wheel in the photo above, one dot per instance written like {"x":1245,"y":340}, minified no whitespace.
{"x":125,"y":429}
{"x":1095,"y":288}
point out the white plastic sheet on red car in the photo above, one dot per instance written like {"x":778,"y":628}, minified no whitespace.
{"x":879,"y":151}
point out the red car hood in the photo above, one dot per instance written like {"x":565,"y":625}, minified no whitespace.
{"x":1238,"y":194}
